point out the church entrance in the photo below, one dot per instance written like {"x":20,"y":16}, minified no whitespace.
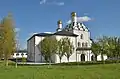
{"x":82,"y":57}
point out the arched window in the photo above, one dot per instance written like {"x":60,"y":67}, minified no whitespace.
{"x":17,"y":54}
{"x":82,"y":44}
{"x":79,"y":44}
{"x":86,"y":44}
{"x":22,"y":54}
{"x":82,"y":57}
{"x":80,"y":23}
{"x":92,"y":58}
{"x":73,"y":23}
{"x":81,"y":36}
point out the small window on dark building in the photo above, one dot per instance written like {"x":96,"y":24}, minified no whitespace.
{"x":81,"y":36}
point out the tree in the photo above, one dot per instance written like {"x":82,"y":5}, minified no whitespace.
{"x":101,"y":46}
{"x":48,"y":47}
{"x":95,"y":49}
{"x":24,"y":60}
{"x":8,"y":36}
{"x":116,"y":51}
{"x":1,"y":41}
{"x":68,"y":48}
{"x":103,"y":42}
{"x":60,"y":51}
{"x":118,"y":47}
{"x":110,"y":46}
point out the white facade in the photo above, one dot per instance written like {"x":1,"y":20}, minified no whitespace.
{"x":79,"y":36}
{"x":31,"y":49}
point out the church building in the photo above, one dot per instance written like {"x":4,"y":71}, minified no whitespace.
{"x":79,"y":36}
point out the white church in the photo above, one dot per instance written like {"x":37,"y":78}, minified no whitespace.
{"x":79,"y":36}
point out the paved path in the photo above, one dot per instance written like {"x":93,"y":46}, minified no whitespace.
{"x":33,"y":63}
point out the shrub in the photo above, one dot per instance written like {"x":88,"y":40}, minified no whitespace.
{"x":24,"y":60}
{"x":87,"y":63}
{"x":75,"y":63}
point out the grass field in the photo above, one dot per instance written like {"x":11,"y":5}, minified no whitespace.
{"x":107,"y":71}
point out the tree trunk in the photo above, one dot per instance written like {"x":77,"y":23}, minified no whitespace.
{"x":117,"y":61}
{"x":6,"y":62}
{"x":102,"y":59}
{"x":68,"y":59}
{"x":16,"y":63}
{"x":95,"y":58}
{"x":49,"y":62}
{"x":60,"y":59}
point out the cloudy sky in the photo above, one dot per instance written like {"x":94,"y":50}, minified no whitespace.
{"x":102,"y":17}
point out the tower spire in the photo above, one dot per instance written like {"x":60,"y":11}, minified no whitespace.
{"x":74,"y":19}
{"x":59,"y":23}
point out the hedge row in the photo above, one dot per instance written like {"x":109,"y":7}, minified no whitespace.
{"x":69,"y":63}
{"x":89,"y":63}
{"x":76,"y":63}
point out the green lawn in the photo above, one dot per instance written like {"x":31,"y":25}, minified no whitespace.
{"x":108,"y":71}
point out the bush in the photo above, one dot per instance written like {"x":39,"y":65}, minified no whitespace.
{"x":24,"y":60}
{"x":74,"y":63}
{"x":11,"y":63}
{"x":87,"y":63}
{"x":2,"y":63}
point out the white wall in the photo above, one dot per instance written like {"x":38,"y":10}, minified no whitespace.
{"x":30,"y":49}
{"x":99,"y":57}
{"x":38,"y":56}
{"x":86,"y":37}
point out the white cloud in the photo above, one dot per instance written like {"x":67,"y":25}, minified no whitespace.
{"x":81,"y":19}
{"x":42,"y":1}
{"x":17,"y":29}
{"x":59,"y":3}
{"x":52,"y":3}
